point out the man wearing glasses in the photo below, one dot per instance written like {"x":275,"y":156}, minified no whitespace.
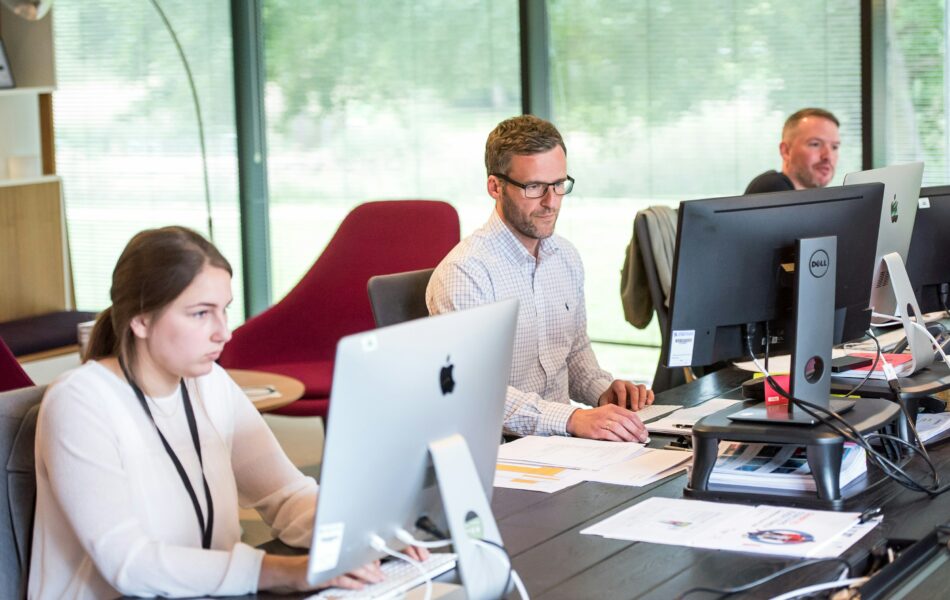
{"x":517,"y":255}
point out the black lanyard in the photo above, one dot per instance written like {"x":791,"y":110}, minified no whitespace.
{"x":206,"y":529}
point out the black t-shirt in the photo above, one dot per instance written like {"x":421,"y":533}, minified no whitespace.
{"x":770,"y":181}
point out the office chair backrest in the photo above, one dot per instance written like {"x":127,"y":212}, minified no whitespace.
{"x":663,"y":378}
{"x":18,"y":412}
{"x":12,"y":375}
{"x":399,"y":297}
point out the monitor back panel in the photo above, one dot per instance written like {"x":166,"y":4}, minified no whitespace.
{"x":395,"y":390}
{"x":928,"y":260}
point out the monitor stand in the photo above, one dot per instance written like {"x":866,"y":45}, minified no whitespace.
{"x":905,"y":302}
{"x":809,"y":380}
{"x":469,"y":516}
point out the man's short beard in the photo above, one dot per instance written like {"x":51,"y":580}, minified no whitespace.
{"x":810,"y":180}
{"x":524,"y":226}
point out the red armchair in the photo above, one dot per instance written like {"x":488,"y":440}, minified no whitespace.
{"x":12,"y":375}
{"x":298,"y":335}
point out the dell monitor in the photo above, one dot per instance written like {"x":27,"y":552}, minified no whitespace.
{"x":415,"y":421}
{"x":928,"y":260}
{"x":732,"y":268}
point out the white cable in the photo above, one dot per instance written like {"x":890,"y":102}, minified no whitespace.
{"x":933,"y":341}
{"x":929,"y":335}
{"x":519,"y":584}
{"x":379,"y":544}
{"x":506,"y":561}
{"x":407,"y":538}
{"x":828,"y":585}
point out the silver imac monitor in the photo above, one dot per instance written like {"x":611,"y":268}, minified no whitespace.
{"x":898,"y":212}
{"x":408,"y":403}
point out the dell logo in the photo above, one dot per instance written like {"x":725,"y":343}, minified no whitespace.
{"x":818,"y":264}
{"x":446,"y":382}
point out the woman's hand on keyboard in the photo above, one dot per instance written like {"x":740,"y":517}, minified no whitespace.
{"x":289,"y":574}
{"x":354,"y":580}
{"x":417,"y":553}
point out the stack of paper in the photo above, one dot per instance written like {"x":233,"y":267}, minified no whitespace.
{"x":779,"y":466}
{"x":567,"y":452}
{"x":535,"y":479}
{"x":681,"y":421}
{"x":550,"y":464}
{"x":933,"y":428}
{"x":717,"y":526}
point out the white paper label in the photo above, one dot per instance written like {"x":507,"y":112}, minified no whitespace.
{"x":328,"y":542}
{"x":681,"y":348}
{"x":923,"y":203}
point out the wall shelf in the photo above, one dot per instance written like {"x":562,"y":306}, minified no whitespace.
{"x":28,"y":181}
{"x":27,"y":91}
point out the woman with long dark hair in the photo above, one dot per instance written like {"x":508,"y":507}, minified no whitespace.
{"x":145,"y":452}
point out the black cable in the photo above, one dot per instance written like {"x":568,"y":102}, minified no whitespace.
{"x":877,"y":357}
{"x":767,"y":579}
{"x":889,"y":468}
{"x":853,"y":435}
{"x":424,"y":523}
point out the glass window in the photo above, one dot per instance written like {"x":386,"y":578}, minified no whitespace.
{"x":915,"y":105}
{"x":380,"y":100}
{"x":127,"y":143}
{"x":668,"y":100}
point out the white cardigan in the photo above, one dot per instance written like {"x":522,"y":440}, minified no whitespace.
{"x":112,"y":515}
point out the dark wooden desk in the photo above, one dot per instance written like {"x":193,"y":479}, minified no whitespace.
{"x":541,"y":531}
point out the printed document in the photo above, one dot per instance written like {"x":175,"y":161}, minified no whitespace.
{"x":645,"y":468}
{"x":681,"y":421}
{"x":775,"y":530}
{"x":933,"y":427}
{"x":536,"y":479}
{"x":566,"y":452}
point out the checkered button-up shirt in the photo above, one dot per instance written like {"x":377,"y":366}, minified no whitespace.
{"x":553,"y":361}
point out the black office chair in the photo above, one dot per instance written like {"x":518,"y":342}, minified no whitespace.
{"x":18,"y":412}
{"x":399,"y":297}
{"x":663,"y":378}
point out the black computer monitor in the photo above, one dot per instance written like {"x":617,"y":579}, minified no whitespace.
{"x":732,"y":268}
{"x":928,"y":261}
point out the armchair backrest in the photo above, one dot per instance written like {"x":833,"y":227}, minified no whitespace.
{"x":12,"y":375}
{"x":18,"y":413}
{"x":330,"y":301}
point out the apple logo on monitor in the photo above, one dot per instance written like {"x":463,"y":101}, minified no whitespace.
{"x":445,"y":377}
{"x":894,"y":209}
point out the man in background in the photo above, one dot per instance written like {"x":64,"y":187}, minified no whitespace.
{"x":517,"y":255}
{"x":809,"y":150}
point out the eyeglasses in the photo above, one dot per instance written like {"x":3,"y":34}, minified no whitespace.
{"x":539,"y":190}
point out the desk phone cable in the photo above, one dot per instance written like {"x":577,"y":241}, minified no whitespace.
{"x":497,"y":549}
{"x":832,"y":420}
{"x":379,"y":544}
{"x":770,"y":578}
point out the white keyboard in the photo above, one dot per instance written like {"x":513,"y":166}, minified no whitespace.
{"x":400,"y":578}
